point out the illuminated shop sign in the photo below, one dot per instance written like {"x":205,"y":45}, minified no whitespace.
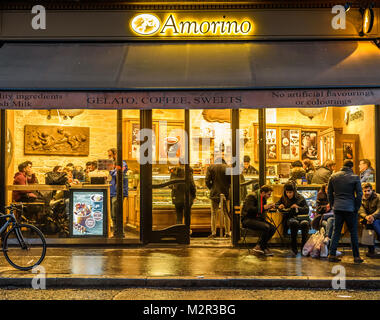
{"x":171,"y":25}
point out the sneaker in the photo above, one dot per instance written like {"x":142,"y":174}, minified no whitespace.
{"x":333,"y":259}
{"x":227,"y":235}
{"x":212,"y":236}
{"x":358,"y":260}
{"x":259,"y":251}
{"x":338,"y":253}
{"x":294,"y":251}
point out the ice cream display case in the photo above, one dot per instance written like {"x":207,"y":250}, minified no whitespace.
{"x":88,"y":212}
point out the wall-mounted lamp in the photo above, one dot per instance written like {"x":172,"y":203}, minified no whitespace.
{"x":367,"y":20}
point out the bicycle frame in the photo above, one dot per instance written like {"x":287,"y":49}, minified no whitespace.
{"x":12,"y":220}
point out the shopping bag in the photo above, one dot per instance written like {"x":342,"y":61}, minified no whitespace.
{"x":315,"y":253}
{"x":324,"y":251}
{"x":310,"y":243}
{"x":368,"y":237}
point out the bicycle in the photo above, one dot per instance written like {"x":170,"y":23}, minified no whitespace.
{"x":24,"y":245}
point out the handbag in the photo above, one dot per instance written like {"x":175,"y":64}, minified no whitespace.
{"x":368,"y":237}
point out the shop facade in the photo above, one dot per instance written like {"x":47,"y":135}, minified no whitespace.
{"x":217,"y":80}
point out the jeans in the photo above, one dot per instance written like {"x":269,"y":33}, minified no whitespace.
{"x":295,"y":225}
{"x":351,"y":219}
{"x":179,"y":209}
{"x":268,"y":230}
{"x":328,"y":225}
{"x":113,"y":210}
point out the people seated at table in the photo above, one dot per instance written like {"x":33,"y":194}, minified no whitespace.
{"x":297,"y":172}
{"x":254,"y":214}
{"x":24,"y":176}
{"x":369,"y":212}
{"x":309,"y":168}
{"x":323,"y":173}
{"x":295,"y":212}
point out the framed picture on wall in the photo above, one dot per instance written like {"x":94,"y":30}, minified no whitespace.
{"x":348,"y":150}
{"x":290,"y":144}
{"x":309,"y":145}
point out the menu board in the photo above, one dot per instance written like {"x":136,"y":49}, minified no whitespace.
{"x":88,"y":214}
{"x":290,"y":144}
{"x":271,"y":144}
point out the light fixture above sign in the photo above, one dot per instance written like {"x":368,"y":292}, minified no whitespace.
{"x":367,"y":22}
{"x":173,"y":25}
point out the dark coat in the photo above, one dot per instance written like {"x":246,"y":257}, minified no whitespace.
{"x":288,"y":212}
{"x":345,"y":191}
{"x":321,"y":175}
{"x":321,"y":209}
{"x":218,"y":181}
{"x":179,"y":189}
{"x":251,"y":207}
{"x":370,"y":206}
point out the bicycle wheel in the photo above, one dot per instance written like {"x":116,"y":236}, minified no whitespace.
{"x":24,"y":246}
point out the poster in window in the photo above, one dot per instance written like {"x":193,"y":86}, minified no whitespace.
{"x":348,"y":150}
{"x":88,"y":213}
{"x":294,"y":145}
{"x":309,"y":145}
{"x":285,"y":144}
{"x":271,"y":142}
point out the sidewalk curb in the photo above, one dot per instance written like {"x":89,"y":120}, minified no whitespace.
{"x":303,"y":283}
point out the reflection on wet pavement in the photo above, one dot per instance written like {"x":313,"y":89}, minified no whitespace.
{"x":183,"y":261}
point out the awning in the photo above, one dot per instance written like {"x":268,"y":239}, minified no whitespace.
{"x":180,"y":66}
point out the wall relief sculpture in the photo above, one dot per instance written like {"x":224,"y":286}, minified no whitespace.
{"x":57,"y":140}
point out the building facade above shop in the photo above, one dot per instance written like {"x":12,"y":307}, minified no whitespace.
{"x":170,"y":20}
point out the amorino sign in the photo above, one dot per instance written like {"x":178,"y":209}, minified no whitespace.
{"x":188,"y":24}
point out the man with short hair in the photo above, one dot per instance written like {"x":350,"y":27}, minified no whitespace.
{"x":367,"y":173}
{"x":370,"y":213}
{"x":324,"y":172}
{"x":253,"y":216}
{"x":248,"y":168}
{"x":345,"y":196}
{"x":24,"y":176}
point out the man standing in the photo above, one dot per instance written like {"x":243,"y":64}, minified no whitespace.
{"x":367,"y":173}
{"x":253,"y":216}
{"x":345,"y":196}
{"x":219,"y":183}
{"x":370,"y":213}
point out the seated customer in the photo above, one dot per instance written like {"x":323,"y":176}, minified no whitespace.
{"x":370,"y":213}
{"x":323,"y":173}
{"x":367,"y":173}
{"x":297,"y":171}
{"x":296,"y":214}
{"x":24,"y":176}
{"x":253,"y":215}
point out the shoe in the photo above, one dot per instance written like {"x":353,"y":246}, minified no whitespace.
{"x":211,"y":236}
{"x":227,"y":235}
{"x":333,"y":259}
{"x":295,"y":251}
{"x":268,"y":253}
{"x":338,"y":253}
{"x":259,"y":251}
{"x":370,"y":254}
{"x":358,"y":260}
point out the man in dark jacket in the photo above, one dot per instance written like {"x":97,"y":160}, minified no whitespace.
{"x":345,"y":196}
{"x":296,"y":214}
{"x":370,"y":213}
{"x":253,"y":216}
{"x":218,"y":181}
{"x":323,"y":173}
{"x":179,"y":189}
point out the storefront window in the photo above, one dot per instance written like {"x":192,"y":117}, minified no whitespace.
{"x":60,"y":168}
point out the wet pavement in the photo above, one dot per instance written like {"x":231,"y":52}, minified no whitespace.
{"x":191,"y":266}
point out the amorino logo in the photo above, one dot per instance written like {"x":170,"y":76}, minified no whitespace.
{"x":149,"y":24}
{"x":145,"y":24}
